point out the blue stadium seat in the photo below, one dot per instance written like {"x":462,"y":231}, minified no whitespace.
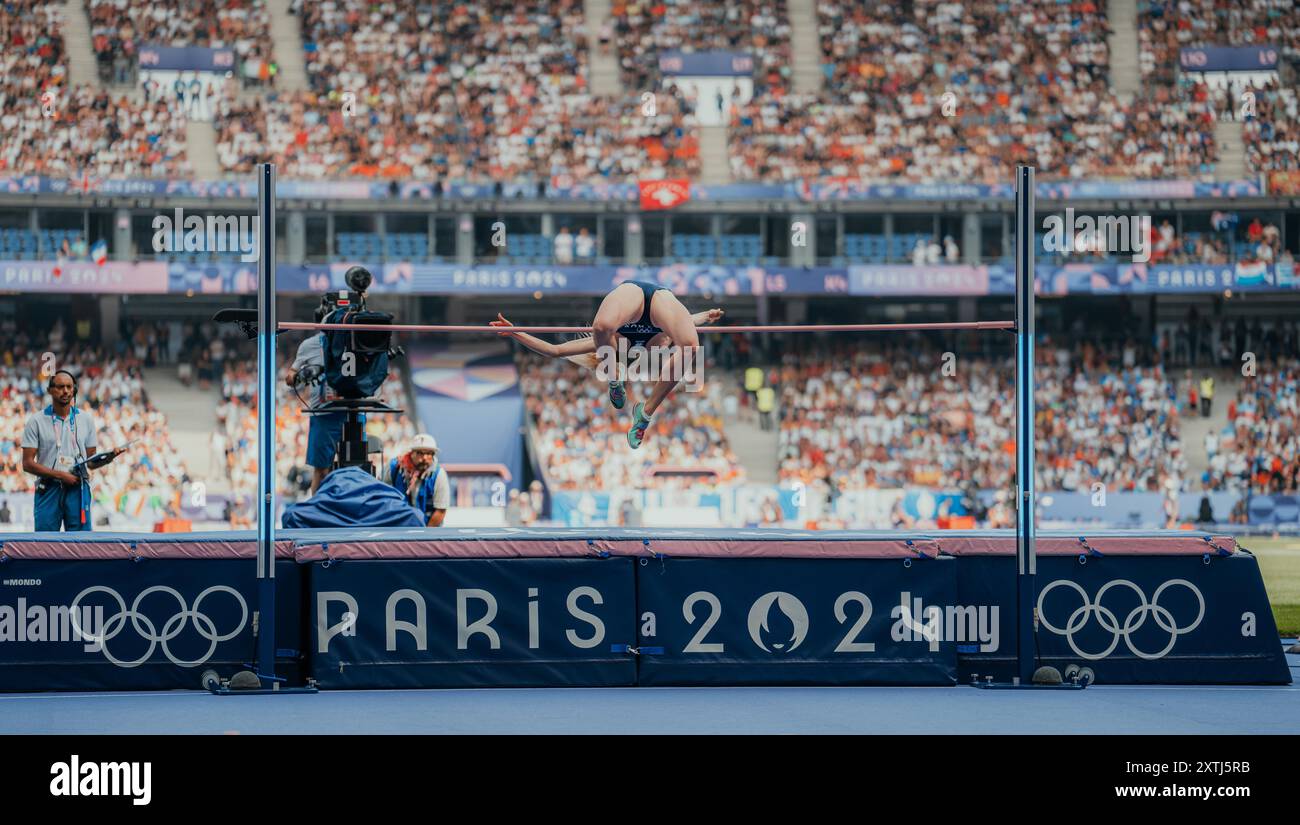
{"x":406,"y":246}
{"x":738,"y":248}
{"x":695,"y":248}
{"x":530,"y":248}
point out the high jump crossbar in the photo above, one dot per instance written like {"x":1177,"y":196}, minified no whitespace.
{"x":445,"y":328}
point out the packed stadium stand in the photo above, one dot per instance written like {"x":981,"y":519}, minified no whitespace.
{"x":496,"y":93}
{"x":1167,"y":26}
{"x":1258,"y":446}
{"x":925,"y":91}
{"x":48,"y":127}
{"x":643,"y":30}
{"x":581,"y":440}
{"x":501,"y":98}
{"x":118,"y":26}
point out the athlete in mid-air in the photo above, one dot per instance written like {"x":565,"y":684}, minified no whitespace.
{"x":648,"y":316}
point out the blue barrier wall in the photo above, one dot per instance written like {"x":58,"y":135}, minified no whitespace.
{"x":793,"y":621}
{"x":1133,"y":619}
{"x":430,"y":608}
{"x":137,"y":625}
{"x":472,"y":623}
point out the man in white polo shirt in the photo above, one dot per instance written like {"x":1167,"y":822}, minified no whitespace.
{"x":55,"y":441}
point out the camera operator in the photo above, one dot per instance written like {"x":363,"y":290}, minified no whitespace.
{"x":341,"y":366}
{"x":324,"y":430}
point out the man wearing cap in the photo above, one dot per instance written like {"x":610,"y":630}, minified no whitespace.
{"x":418,"y":476}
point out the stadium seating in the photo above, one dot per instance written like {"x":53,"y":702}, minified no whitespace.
{"x":642,"y":30}
{"x":120,"y":27}
{"x":441,"y":91}
{"x":43,"y":244}
{"x":581,"y":438}
{"x":74,"y":133}
{"x":1166,"y":26}
{"x":1257,"y":449}
{"x":860,"y":419}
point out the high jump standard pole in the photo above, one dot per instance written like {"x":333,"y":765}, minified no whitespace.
{"x":1026,"y":554}
{"x":266,"y":327}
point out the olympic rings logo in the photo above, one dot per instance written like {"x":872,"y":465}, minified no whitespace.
{"x":149,"y":631}
{"x":1109,"y":622}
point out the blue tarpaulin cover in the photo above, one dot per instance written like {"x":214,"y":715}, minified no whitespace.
{"x":351,"y":497}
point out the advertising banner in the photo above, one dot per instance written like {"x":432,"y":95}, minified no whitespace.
{"x":136,"y":625}
{"x":905,"y":279}
{"x":1133,"y":619}
{"x":707,"y":64}
{"x":820,"y":189}
{"x":83,"y":276}
{"x":473,"y":623}
{"x":1229,"y":59}
{"x":798,"y":622}
{"x":186,"y":58}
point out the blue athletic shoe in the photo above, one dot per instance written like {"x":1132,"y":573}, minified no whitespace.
{"x":640,"y":423}
{"x":617,"y":394}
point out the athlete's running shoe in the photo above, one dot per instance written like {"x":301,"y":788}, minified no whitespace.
{"x":640,"y":423}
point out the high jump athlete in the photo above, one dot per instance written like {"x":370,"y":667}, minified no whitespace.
{"x":648,"y":316}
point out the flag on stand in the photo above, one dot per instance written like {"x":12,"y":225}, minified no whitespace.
{"x":664,"y":194}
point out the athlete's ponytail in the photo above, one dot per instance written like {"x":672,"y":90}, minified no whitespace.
{"x":587,"y":360}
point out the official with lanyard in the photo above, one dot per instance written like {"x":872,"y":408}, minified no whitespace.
{"x":55,"y":442}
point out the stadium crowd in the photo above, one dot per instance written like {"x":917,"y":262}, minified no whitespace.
{"x":1167,"y":26}
{"x":863,"y":419}
{"x":922,"y":92}
{"x":940,"y":91}
{"x":1106,"y":414}
{"x":76,"y":133}
{"x":1272,"y":134}
{"x":582,"y":440}
{"x":447,"y":93}
{"x":1259,"y":448}
{"x":119,"y":27}
{"x":761,"y":28}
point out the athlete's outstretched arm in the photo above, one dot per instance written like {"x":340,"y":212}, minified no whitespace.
{"x":708,"y":316}
{"x":579,"y":346}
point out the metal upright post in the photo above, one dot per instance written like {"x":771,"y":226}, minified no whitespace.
{"x":266,"y":329}
{"x":1026,"y":555}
